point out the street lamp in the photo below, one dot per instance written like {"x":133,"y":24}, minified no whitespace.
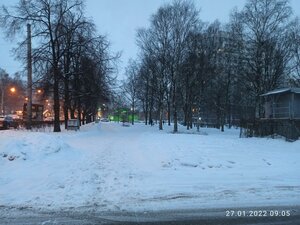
{"x":198,"y":124}
{"x":12,"y":89}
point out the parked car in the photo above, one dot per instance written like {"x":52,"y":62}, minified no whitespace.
{"x":125,"y":124}
{"x":7,"y":121}
{"x":104,"y":120}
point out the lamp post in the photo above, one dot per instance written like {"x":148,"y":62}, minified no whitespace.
{"x":2,"y":101}
{"x":198,"y":124}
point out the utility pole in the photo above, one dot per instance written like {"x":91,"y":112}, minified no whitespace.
{"x":2,"y":98}
{"x":29,"y":78}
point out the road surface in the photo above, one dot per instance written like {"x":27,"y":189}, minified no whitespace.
{"x":27,"y":216}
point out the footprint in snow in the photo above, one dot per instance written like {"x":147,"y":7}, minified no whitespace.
{"x":189,"y":165}
{"x":267,"y":162}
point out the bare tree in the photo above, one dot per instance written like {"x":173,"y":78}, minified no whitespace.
{"x":47,"y":19}
{"x":130,"y":86}
{"x":165,"y":45}
{"x":71,"y":60}
{"x":267,"y":51}
{"x":295,"y":39}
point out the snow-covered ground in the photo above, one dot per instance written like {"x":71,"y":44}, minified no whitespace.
{"x":107,"y":166}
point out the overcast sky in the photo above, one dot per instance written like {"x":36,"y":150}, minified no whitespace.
{"x":119,"y":19}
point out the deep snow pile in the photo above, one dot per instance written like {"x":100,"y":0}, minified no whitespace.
{"x":107,"y":166}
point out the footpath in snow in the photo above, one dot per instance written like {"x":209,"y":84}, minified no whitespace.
{"x":107,"y":166}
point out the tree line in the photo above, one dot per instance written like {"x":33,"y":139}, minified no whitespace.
{"x":71,"y":61}
{"x":187,"y":68}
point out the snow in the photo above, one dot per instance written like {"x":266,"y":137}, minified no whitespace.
{"x":107,"y":166}
{"x":282,"y":90}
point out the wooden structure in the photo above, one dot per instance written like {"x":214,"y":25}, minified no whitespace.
{"x":282,"y":104}
{"x":281,"y":114}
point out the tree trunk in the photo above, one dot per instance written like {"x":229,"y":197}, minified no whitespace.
{"x":66,"y":89}
{"x":79,"y":112}
{"x":185,"y":115}
{"x":151,"y":110}
{"x":56,"y":106}
{"x":190,"y":118}
{"x":160,"y":117}
{"x":175,"y":130}
{"x":132,"y":115}
{"x":145,"y":108}
{"x":67,"y":102}
{"x":83,"y":119}
{"x":147,"y":102}
{"x":169,"y":113}
{"x":72,"y":113}
{"x":175,"y":122}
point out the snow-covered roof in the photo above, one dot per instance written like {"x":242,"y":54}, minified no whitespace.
{"x":282,"y":90}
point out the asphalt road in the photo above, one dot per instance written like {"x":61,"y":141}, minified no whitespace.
{"x":27,"y":216}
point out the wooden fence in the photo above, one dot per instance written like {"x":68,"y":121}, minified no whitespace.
{"x":288,"y":128}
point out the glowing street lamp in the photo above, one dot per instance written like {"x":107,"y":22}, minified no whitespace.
{"x":12,"y":90}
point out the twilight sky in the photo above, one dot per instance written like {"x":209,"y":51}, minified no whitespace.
{"x":119,"y":19}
